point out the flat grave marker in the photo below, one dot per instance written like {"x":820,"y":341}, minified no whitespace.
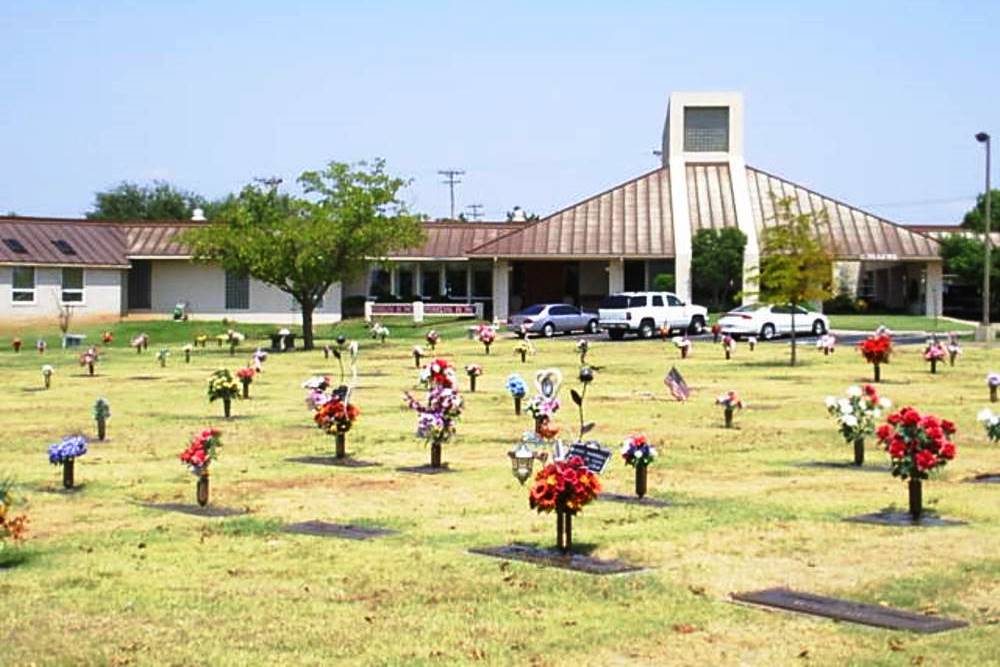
{"x":427,"y":469}
{"x":555,"y":558}
{"x":847,"y":610}
{"x":195,"y":510}
{"x":985,"y":478}
{"x":345,"y":531}
{"x":595,"y":456}
{"x":645,"y":501}
{"x":902,"y":518}
{"x":333,"y":461}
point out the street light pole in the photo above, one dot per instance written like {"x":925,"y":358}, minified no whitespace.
{"x":984,"y":138}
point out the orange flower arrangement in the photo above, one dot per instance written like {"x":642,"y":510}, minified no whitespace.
{"x":336,"y":416}
{"x":564,"y":486}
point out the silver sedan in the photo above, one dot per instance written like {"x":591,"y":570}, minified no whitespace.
{"x":549,"y":319}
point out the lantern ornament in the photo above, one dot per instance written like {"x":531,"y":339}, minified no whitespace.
{"x":522,"y":460}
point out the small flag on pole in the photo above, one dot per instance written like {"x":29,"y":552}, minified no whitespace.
{"x":676,"y":384}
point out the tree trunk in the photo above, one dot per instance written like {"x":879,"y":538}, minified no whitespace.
{"x":307,"y":323}
{"x":793,"y":335}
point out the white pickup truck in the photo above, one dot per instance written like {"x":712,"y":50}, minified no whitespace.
{"x":644,"y":313}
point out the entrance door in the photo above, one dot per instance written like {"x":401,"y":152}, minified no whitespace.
{"x":549,"y":282}
{"x":140,"y":285}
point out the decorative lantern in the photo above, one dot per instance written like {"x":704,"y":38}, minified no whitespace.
{"x":522,"y":460}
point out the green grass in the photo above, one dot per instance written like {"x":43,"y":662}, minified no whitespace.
{"x":105,"y":580}
{"x":897,"y":323}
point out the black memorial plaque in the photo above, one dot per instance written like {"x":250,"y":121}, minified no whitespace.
{"x":843,"y":465}
{"x":555,"y":558}
{"x":846,"y":610}
{"x":645,"y":501}
{"x":427,"y":469}
{"x":197,"y":510}
{"x":345,"y":462}
{"x":595,"y":456}
{"x":345,"y":531}
{"x":888,"y":518}
{"x":985,"y":478}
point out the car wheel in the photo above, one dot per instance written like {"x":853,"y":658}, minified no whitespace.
{"x":592,"y":327}
{"x":819,"y":328}
{"x":616,"y":334}
{"x":646,"y":329}
{"x":697,"y":325}
{"x":548,"y":330}
{"x":767,"y":331}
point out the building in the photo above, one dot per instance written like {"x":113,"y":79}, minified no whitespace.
{"x":619,"y":239}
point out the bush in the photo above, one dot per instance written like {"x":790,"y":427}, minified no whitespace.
{"x":664,"y":282}
{"x":844,"y":304}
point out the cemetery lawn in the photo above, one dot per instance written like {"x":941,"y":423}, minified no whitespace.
{"x":103,"y":579}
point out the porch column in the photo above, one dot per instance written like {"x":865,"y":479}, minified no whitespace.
{"x":933,"y":300}
{"x":616,"y":276}
{"x":501,"y":290}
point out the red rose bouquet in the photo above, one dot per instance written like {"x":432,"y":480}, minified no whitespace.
{"x":916,"y":443}
{"x":876,"y":350}
{"x":564,"y":486}
{"x":202,"y":451}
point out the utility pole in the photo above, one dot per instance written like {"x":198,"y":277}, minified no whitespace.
{"x":475,"y":211}
{"x":451,"y":180}
{"x":984,"y":138}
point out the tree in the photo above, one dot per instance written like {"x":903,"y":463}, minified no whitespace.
{"x":159,"y":201}
{"x":964,"y":258}
{"x":795,"y":267}
{"x":717,"y":261}
{"x":348,"y":216}
{"x":974,"y":217}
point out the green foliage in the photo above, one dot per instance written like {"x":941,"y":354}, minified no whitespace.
{"x":664,"y":282}
{"x":974,"y":218}
{"x":302,"y":244}
{"x":795,"y":267}
{"x":964,"y":257}
{"x":159,"y":201}
{"x":717,"y":262}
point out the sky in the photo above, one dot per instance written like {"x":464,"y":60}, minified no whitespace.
{"x":541,"y":104}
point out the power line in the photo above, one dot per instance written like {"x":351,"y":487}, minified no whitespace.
{"x":451,"y":181}
{"x":475,"y":211}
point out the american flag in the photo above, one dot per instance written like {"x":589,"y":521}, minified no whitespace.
{"x":676,"y":384}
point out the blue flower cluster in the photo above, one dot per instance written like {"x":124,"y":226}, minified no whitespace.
{"x":516,"y":386}
{"x":71,"y":447}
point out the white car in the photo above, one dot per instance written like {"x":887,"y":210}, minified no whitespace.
{"x":644,"y":313}
{"x":768,"y":321}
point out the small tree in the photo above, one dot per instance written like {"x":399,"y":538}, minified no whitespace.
{"x":795,"y":267}
{"x":348,"y":216}
{"x":717,"y":261}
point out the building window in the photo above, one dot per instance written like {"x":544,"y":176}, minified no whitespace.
{"x":454,"y":281}
{"x":72,"y":285}
{"x":430,"y":282}
{"x":237,"y":291}
{"x":404,"y":283}
{"x":482,"y":282}
{"x":379,"y":283}
{"x":24,"y":284}
{"x":706,"y":129}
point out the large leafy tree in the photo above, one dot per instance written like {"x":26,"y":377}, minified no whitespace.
{"x":795,"y":268}
{"x":964,"y":258}
{"x":717,"y":262}
{"x":975,"y":217}
{"x":345,"y":216}
{"x":157,"y":201}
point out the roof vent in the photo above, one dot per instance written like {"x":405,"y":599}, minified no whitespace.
{"x":198,"y":215}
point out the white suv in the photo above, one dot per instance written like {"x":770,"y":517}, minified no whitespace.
{"x":644,"y":313}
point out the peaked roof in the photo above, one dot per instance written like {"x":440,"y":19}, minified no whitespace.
{"x":451,"y":239}
{"x":61,"y":242}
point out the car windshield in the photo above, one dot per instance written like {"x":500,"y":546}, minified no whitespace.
{"x":532,"y":310}
{"x":615,"y":301}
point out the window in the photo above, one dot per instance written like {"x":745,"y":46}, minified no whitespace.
{"x":64,"y":247}
{"x":15,"y":246}
{"x":482,"y":282}
{"x":637,"y":302}
{"x":237,"y":291}
{"x":673,"y":301}
{"x":404,"y":283}
{"x":706,"y":129}
{"x":657,"y":300}
{"x":430,"y":282}
{"x":23,"y":285}
{"x":454,"y":280}
{"x":563,"y":310}
{"x":379,"y":284}
{"x":72,"y":285}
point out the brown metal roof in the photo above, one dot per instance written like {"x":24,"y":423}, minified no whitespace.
{"x":157,"y":239}
{"x":94,"y":244}
{"x":632,"y":219}
{"x":849,"y":233}
{"x":710,"y":196}
{"x":454,"y":239}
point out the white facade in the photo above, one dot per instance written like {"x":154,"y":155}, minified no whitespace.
{"x":102,"y":293}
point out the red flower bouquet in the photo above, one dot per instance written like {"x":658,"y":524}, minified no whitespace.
{"x":202,"y":450}
{"x":564,"y":486}
{"x":876,"y":350}
{"x":335,"y":416}
{"x":916,"y":443}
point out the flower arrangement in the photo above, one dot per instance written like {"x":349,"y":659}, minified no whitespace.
{"x":876,"y":350}
{"x":203,"y":449}
{"x":684,"y":344}
{"x":826,"y":344}
{"x":12,"y":527}
{"x":582,"y":348}
{"x":102,"y":413}
{"x":221,"y":385}
{"x":88,"y":359}
{"x":991,"y":423}
{"x":245,"y":376}
{"x":934,"y":352}
{"x":64,"y":453}
{"x":317,"y":386}
{"x":636,"y":450}
{"x":162,"y":357}
{"x":993,"y":381}
{"x":234,"y":338}
{"x":438,"y":416}
{"x":752,"y":343}
{"x":473,"y":371}
{"x":47,"y":372}
{"x":140,"y":342}
{"x":107,"y":337}
{"x":16,"y":344}
{"x":728,"y":345}
{"x":917,"y":444}
{"x":418,"y":355}
{"x":335,"y":416}
{"x":432,"y":339}
{"x":954,"y":349}
{"x":524,"y":348}
{"x":486,"y":334}
{"x":41,"y":345}
{"x":564,"y":486}
{"x":187,"y":349}
{"x":379,"y":331}
{"x":201,"y":340}
{"x":730,"y":402}
{"x":518,"y":389}
{"x":856,"y":415}
{"x":716,"y":332}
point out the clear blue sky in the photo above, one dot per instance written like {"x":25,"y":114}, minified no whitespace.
{"x":540,"y":103}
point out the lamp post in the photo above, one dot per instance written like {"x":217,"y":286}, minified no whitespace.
{"x":984,"y":138}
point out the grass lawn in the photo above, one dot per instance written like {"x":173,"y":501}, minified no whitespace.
{"x":104,"y":580}
{"x":897,"y":323}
